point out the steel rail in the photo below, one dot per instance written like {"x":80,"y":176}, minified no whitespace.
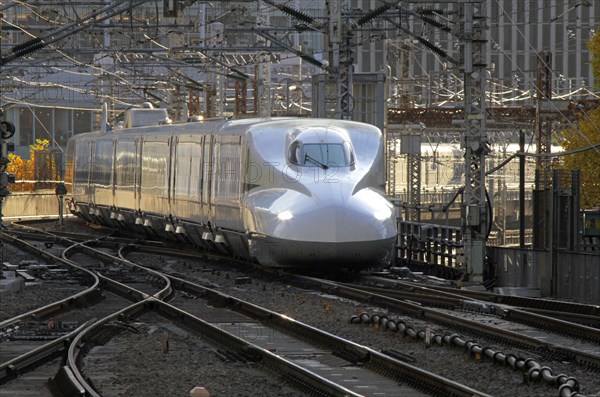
{"x":49,"y":350}
{"x":40,"y":354}
{"x":591,"y":320}
{"x":162,"y":294}
{"x":373,"y":359}
{"x":34,"y":233}
{"x":520,"y":301}
{"x":518,"y":314}
{"x":287,"y":370}
{"x":532,"y":369}
{"x":84,"y":246}
{"x":62,"y":305}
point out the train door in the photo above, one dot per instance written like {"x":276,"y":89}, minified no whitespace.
{"x":113,"y":172}
{"x":227,"y":181}
{"x":70,"y":167}
{"x":187,"y":180}
{"x":154,"y":177}
{"x":207,"y":176}
{"x":82,"y":171}
{"x":137,"y":190}
{"x":240,"y":170}
{"x":125,"y":172}
{"x":201,"y":166}
{"x":171,"y":175}
{"x":91,"y":186}
{"x":113,"y":175}
{"x":102,"y":169}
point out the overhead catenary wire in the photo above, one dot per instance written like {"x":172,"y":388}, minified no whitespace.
{"x":448,"y":93}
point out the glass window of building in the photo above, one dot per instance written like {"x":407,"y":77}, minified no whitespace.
{"x":82,"y":121}
{"x":43,"y":124}
{"x":25,"y":127}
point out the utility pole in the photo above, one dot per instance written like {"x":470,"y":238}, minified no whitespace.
{"x":333,"y":40}
{"x":177,"y":95}
{"x":7,"y":130}
{"x":263,"y":67}
{"x":475,"y":216}
{"x":341,"y":44}
{"x":500,"y":201}
{"x":543,"y":126}
{"x":215,"y":93}
{"x":410,"y":145}
{"x":524,"y":273}
{"x":345,"y":70}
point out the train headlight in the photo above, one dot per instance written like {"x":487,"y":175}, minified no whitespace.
{"x":382,"y":214}
{"x":285,"y":215}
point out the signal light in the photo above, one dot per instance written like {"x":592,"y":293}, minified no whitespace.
{"x":7,"y":129}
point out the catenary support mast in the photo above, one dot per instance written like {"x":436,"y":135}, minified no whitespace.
{"x":475,"y":214}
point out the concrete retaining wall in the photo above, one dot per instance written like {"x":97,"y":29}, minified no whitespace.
{"x":21,"y":205}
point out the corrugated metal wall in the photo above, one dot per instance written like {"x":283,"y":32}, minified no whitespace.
{"x":579,"y":276}
{"x":578,"y":273}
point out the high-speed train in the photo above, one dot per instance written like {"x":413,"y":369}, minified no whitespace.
{"x":286,"y":192}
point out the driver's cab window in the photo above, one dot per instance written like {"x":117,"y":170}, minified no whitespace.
{"x":321,"y":154}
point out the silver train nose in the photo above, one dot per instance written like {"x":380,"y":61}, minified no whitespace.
{"x":365,"y":216}
{"x":331,"y":233}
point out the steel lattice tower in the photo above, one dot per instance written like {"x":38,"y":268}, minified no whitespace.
{"x":543,"y":124}
{"x":475,"y":222}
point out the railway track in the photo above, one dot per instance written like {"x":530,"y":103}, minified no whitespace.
{"x":538,"y":347}
{"x":38,"y":335}
{"x":549,"y":339}
{"x":252,"y":329}
{"x":456,"y":301}
{"x":328,"y":365}
{"x":568,"y":311}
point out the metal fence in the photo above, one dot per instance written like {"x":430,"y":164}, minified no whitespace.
{"x":436,"y":250}
{"x":433,"y":249}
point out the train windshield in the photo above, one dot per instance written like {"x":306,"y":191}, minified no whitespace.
{"x":323,"y":155}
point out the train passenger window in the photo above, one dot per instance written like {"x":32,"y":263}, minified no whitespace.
{"x":321,"y":154}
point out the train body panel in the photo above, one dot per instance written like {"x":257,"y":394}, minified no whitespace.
{"x":288,"y":192}
{"x":154,"y":187}
{"x":126,"y":167}
{"x":189,"y":172}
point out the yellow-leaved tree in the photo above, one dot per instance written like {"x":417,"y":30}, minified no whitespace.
{"x":586,"y":134}
{"x":583,"y":135}
{"x":24,"y":170}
